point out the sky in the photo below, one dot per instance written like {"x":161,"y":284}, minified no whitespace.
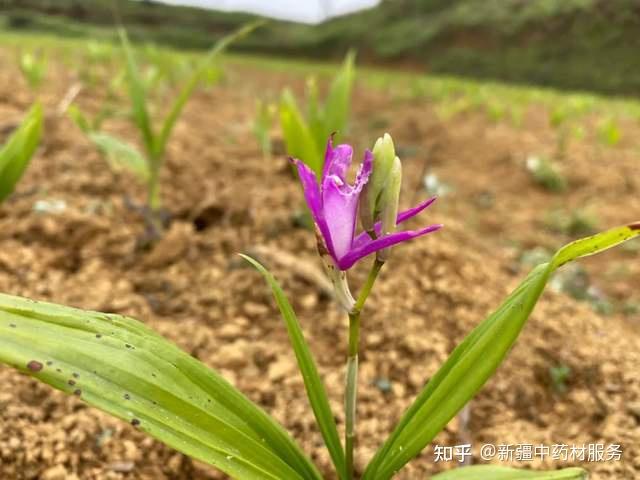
{"x":303,"y":11}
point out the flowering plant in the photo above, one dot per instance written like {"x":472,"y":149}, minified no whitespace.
{"x":119,"y":365}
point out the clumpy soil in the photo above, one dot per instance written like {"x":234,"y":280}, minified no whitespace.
{"x":70,"y":235}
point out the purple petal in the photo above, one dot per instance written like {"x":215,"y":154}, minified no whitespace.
{"x":337,"y":160}
{"x":347,"y":261}
{"x":364,"y":237}
{"x":340,"y":207}
{"x":364,"y":172}
{"x":314,"y":201}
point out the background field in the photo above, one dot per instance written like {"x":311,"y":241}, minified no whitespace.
{"x":70,"y":233}
{"x":571,"y":44}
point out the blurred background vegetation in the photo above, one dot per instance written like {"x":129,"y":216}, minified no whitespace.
{"x":567,"y":44}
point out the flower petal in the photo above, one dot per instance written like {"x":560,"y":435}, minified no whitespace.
{"x":340,"y":207}
{"x":337,"y":160}
{"x":347,"y":261}
{"x":364,"y":237}
{"x":314,"y":201}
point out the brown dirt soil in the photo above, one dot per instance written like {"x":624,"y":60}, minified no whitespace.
{"x":194,"y":289}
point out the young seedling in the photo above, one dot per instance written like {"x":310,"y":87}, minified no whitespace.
{"x":121,"y":366}
{"x":265,"y":115}
{"x":33,"y":67}
{"x":609,"y":132}
{"x":559,"y":375}
{"x":546,"y":173}
{"x":17,"y":152}
{"x":147,"y":164}
{"x":305,"y":136}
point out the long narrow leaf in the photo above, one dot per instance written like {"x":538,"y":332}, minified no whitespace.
{"x":297,"y":135}
{"x":192,"y":83}
{"x":312,"y":381}
{"x":336,"y":108}
{"x":473,"y":362}
{"x":122,"y":367}
{"x":121,"y":154}
{"x":489,"y":472}
{"x":138,"y":95}
{"x":16,"y":154}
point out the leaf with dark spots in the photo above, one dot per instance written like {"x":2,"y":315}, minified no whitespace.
{"x":34,"y":366}
{"x":71,"y":382}
{"x":231,"y":426}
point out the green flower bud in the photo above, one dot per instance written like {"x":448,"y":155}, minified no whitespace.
{"x":389,"y":200}
{"x":383,"y":160}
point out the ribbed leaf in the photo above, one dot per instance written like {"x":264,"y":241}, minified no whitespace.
{"x":16,"y":153}
{"x":119,"y":365}
{"x":121,"y":154}
{"x":312,"y":381}
{"x":297,"y":135}
{"x":474,"y":360}
{"x":336,"y":108}
{"x":79,"y":118}
{"x":137,"y":95}
{"x":489,"y":472}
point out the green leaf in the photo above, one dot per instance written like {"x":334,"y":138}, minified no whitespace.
{"x":16,"y":154}
{"x":137,"y":95}
{"x":119,"y":365}
{"x":262,"y":125}
{"x":474,"y":360}
{"x":33,"y":67}
{"x":336,"y":109}
{"x":312,"y":381}
{"x":297,"y":135}
{"x":486,"y":472}
{"x":121,"y":154}
{"x":193,"y":81}
{"x":79,"y":118}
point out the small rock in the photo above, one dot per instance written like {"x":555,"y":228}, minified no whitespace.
{"x":55,"y":473}
{"x":234,"y":355}
{"x":121,"y":467}
{"x":255,"y":309}
{"x":280,"y":369}
{"x":171,"y":247}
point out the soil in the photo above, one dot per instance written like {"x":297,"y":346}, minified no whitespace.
{"x":225,"y":198}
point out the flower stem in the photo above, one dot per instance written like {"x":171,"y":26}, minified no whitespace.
{"x":352,"y":366}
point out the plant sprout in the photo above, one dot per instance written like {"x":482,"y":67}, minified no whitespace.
{"x":17,"y":152}
{"x":146,"y":165}
{"x":546,"y":173}
{"x":121,"y":366}
{"x":305,"y":137}
{"x":265,"y":114}
{"x":33,"y":68}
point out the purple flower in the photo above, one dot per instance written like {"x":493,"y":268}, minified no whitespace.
{"x":334,"y":207}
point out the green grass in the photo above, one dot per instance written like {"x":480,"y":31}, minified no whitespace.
{"x":500,"y":101}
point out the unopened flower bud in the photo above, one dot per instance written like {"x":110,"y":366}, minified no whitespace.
{"x":389,"y":200}
{"x":383,"y":160}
